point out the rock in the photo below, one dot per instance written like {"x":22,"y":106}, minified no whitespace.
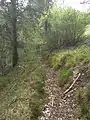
{"x":60,"y":119}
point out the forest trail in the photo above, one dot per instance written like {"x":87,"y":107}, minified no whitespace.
{"x":56,"y":106}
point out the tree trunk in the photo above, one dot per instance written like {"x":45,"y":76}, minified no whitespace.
{"x":14,"y":34}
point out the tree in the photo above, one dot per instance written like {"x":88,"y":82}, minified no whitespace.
{"x":10,"y":15}
{"x":13,"y":13}
{"x":14,"y":32}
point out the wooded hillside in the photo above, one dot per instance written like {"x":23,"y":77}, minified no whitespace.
{"x":44,"y":61}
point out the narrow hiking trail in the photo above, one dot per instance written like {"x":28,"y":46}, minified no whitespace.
{"x":57,"y":107}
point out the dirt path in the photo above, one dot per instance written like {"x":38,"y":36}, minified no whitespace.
{"x":56,"y":107}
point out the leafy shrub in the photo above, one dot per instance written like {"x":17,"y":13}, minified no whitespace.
{"x":65,"y":27}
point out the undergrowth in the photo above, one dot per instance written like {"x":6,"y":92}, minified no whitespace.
{"x":65,"y":60}
{"x":22,"y":96}
{"x":64,"y":76}
{"x":87,"y":32}
{"x":69,"y":58}
{"x":83,"y":97}
{"x":4,"y":80}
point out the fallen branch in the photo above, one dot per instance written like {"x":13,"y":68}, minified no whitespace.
{"x":72,"y":84}
{"x":52,"y":101}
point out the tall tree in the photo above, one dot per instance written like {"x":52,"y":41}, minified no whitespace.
{"x":9,"y":9}
{"x":13,"y":10}
{"x":14,"y":32}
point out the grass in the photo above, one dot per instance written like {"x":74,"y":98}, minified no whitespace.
{"x":22,"y":96}
{"x":88,"y":93}
{"x":84,"y":111}
{"x":64,"y":76}
{"x":83,"y":98}
{"x":4,"y":80}
{"x":69,"y":58}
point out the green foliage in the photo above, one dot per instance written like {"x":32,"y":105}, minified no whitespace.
{"x":35,"y":108}
{"x":83,"y":97}
{"x":88,"y":93}
{"x":80,"y":95}
{"x":64,"y":73}
{"x":84,"y":110}
{"x":24,"y":93}
{"x":37,"y":99}
{"x":65,"y":27}
{"x":87,"y":32}
{"x":64,"y":76}
{"x":69,"y":58}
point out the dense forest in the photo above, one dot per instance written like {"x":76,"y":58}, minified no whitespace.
{"x":44,"y":61}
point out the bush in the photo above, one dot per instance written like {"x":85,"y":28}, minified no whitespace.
{"x":65,"y":27}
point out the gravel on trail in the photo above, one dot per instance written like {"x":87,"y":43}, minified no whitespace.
{"x":58,"y":107}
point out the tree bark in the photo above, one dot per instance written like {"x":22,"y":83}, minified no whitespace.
{"x":14,"y":33}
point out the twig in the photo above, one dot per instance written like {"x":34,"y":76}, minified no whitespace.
{"x":72,"y":84}
{"x":52,"y":101}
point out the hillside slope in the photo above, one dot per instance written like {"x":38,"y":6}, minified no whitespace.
{"x":21,"y":92}
{"x":68,"y":85}
{"x":59,"y":90}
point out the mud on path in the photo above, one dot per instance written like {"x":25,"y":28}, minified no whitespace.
{"x":57,"y":107}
